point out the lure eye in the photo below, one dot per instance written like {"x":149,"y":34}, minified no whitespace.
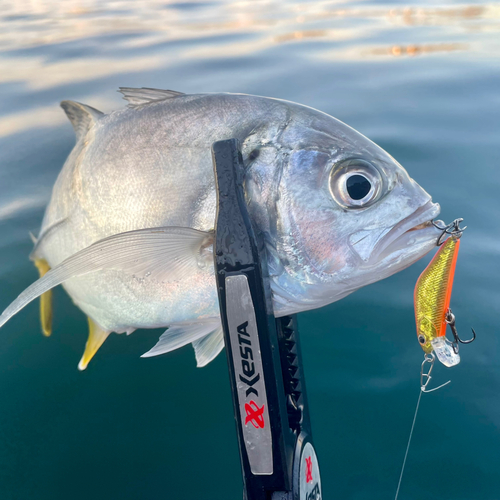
{"x":355,"y":183}
{"x":421,"y":339}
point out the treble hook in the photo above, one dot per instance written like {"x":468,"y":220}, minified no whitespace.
{"x":425,"y":377}
{"x":450,"y":319}
{"x":453,"y":229}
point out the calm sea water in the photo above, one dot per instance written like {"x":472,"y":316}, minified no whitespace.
{"x":423,"y":81}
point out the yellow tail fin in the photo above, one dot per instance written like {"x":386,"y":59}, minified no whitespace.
{"x":97,"y":336}
{"x":45,"y":300}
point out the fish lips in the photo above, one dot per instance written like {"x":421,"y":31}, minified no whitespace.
{"x":411,"y":237}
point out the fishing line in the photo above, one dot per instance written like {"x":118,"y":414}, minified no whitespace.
{"x":408,"y":445}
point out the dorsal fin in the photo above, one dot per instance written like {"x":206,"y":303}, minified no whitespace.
{"x":81,"y":116}
{"x":136,"y":97}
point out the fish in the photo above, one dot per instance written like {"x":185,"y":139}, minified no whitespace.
{"x":129,"y":228}
{"x":432,"y":298}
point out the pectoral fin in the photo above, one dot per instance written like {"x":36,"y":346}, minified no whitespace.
{"x":97,"y":336}
{"x":164,"y":254}
{"x":45,"y":300}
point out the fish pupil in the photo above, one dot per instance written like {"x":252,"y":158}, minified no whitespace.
{"x":358,"y":186}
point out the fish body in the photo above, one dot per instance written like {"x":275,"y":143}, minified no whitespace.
{"x":432,"y":302}
{"x":129,"y":227}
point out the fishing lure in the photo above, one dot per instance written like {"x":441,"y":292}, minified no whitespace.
{"x":432,"y":314}
{"x":432,"y":300}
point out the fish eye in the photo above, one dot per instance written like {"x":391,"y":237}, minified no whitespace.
{"x":355,"y":183}
{"x":421,"y":339}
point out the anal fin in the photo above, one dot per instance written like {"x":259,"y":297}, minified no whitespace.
{"x":207,"y":348}
{"x":97,"y":336}
{"x":178,"y":335}
{"x":45,"y":300}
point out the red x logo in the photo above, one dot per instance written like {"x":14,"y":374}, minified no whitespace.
{"x":254,"y":415}
{"x":309,"y":470}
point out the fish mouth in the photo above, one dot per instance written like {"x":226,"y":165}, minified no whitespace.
{"x":416,"y":229}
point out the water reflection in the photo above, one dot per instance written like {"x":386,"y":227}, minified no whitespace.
{"x":50,"y":44}
{"x":38,"y":74}
{"x":14,"y":207}
{"x":416,"y":50}
{"x":34,"y":23}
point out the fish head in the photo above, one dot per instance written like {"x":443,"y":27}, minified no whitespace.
{"x":345,"y":214}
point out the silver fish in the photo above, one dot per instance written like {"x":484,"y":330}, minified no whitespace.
{"x":129,"y":228}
